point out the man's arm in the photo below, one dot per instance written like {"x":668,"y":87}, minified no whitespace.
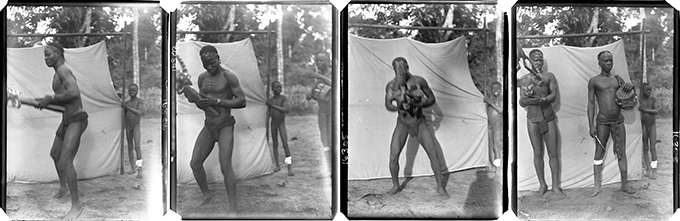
{"x":554,"y":90}
{"x":389,"y":97}
{"x":137,"y":109}
{"x":427,"y":91}
{"x":591,"y":107}
{"x":71,"y":91}
{"x":239,"y":98}
{"x":492,"y":105}
{"x":323,"y":78}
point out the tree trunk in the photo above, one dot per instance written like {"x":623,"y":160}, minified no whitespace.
{"x":229,"y":25}
{"x":279,"y":44}
{"x":135,"y":47}
{"x":593,"y":27}
{"x":642,"y":46}
{"x":86,"y":27}
{"x":499,"y":44}
{"x":448,"y":22}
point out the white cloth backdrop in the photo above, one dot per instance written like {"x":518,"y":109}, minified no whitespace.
{"x":573,"y":67}
{"x":251,"y":156}
{"x":458,"y":117}
{"x":31,"y":132}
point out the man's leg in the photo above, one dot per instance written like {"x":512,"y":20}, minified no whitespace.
{"x":284,"y":141}
{"x":426,"y":139}
{"x":396,"y":145}
{"x":645,"y":148}
{"x":202,"y":148}
{"x":536,"y":139}
{"x":68,"y":153}
{"x":55,"y":153}
{"x":325,"y":133}
{"x":275,"y":143}
{"x":490,"y":134}
{"x":498,"y":143}
{"x":136,"y":132}
{"x":598,"y":161}
{"x":130,"y":141}
{"x":652,"y":148}
{"x":619,"y":140}
{"x":226,"y":144}
{"x":553,"y":156}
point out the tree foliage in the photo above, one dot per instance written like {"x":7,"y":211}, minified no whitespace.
{"x":480,"y":45}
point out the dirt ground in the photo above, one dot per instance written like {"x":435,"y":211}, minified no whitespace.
{"x":475,"y":193}
{"x":652,"y":201}
{"x":110,"y":197}
{"x":274,"y":196}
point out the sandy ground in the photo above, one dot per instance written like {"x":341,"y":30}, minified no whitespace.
{"x":110,"y":197}
{"x":652,"y":201}
{"x":475,"y":193}
{"x":274,"y":196}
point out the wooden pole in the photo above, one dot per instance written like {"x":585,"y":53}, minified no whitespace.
{"x":643,"y":54}
{"x":122,"y":123}
{"x":580,"y":35}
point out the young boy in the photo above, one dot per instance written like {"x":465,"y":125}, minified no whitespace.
{"x":133,"y":115}
{"x":278,"y":106}
{"x":494,"y":112}
{"x":648,"y":113}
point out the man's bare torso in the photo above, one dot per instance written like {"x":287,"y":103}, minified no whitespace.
{"x":74,"y":106}
{"x":605,"y":94}
{"x":217,"y":86}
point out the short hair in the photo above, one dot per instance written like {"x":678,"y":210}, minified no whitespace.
{"x":209,"y":51}
{"x":133,"y":84}
{"x":645,"y":85}
{"x":276,"y":82}
{"x":495,"y":83}
{"x":57,"y":48}
{"x":602,"y":52}
{"x":534,"y":52}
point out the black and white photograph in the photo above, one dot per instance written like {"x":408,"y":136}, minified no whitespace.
{"x":83,"y":138}
{"x":430,"y":76}
{"x":595,"y":114}
{"x":254,"y":100}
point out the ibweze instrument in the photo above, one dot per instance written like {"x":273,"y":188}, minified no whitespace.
{"x":15,"y":100}
{"x":183,"y":85}
{"x":627,"y":100}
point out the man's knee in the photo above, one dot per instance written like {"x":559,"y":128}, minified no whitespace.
{"x":538,"y":153}
{"x":64,"y":164}
{"x":226,"y":169}
{"x":196,"y":165}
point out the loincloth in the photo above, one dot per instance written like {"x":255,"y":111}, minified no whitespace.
{"x":214,"y":129}
{"x":614,"y":131}
{"x":413,"y":124}
{"x":79,"y":116}
{"x":541,"y":116}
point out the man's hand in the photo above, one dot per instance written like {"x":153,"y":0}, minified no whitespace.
{"x":269,"y":102}
{"x":205,"y":102}
{"x":627,"y":87}
{"x":43,"y":102}
{"x":593,"y":131}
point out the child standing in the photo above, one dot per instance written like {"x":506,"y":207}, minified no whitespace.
{"x":278,"y":106}
{"x":648,"y":113}
{"x":494,"y":113}
{"x":133,"y":115}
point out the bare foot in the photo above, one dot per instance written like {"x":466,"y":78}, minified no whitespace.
{"x":627,"y":189}
{"x":647,"y":173}
{"x":394,"y":190}
{"x":442,"y":193}
{"x":596,"y":190}
{"x":560,"y":194}
{"x":132,"y":171}
{"x":542,"y":190}
{"x":206,"y":200}
{"x":277,"y":169}
{"x":74,"y":212}
{"x":653,"y":176}
{"x":139,"y":172}
{"x":290,"y":173}
{"x":61,"y":193}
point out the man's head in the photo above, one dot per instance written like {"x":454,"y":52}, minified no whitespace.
{"x":646,"y":90}
{"x":133,"y":89}
{"x":496,"y":88}
{"x":321,"y":61}
{"x":605,"y":60}
{"x":536,"y":57}
{"x":54,"y":52}
{"x":277,"y":87}
{"x":400,"y":66}
{"x":210,"y":58}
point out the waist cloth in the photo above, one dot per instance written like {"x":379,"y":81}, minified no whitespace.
{"x":613,"y":125}
{"x":79,"y":116}
{"x":412,"y":124}
{"x":214,"y":127}
{"x":541,"y":114}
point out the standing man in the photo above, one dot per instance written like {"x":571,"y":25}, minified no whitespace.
{"x":411,"y":94}
{"x":322,"y":93}
{"x":221,"y":90}
{"x":538,"y":92}
{"x":73,"y":124}
{"x":609,"y":120}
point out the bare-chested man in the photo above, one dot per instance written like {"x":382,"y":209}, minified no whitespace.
{"x":325,"y":113}
{"x":609,"y":120}
{"x":73,"y":124}
{"x":221,"y":90}
{"x":538,"y":91}
{"x":411,"y":93}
